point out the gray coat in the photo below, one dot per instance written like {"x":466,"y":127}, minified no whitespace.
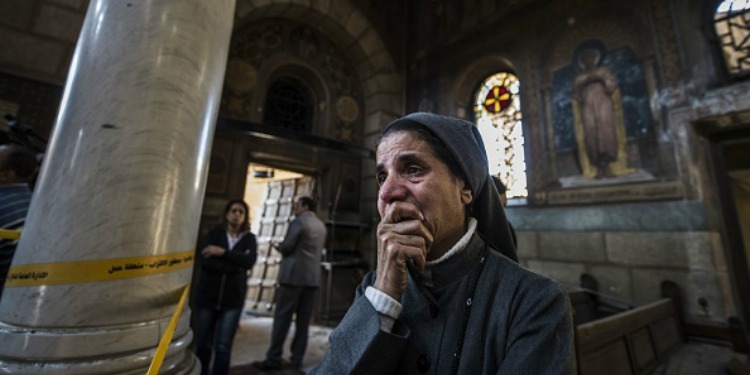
{"x":520,"y":323}
{"x":301,"y":251}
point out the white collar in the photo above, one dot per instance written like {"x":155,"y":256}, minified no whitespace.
{"x":460,"y":245}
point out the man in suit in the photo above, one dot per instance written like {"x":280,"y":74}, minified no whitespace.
{"x":299,"y":279}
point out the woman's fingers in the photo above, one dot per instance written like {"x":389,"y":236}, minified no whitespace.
{"x":403,"y":236}
{"x":398,"y":243}
{"x":397,"y":212}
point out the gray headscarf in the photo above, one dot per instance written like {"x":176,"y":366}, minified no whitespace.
{"x":463,"y":141}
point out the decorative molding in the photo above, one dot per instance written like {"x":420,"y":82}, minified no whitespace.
{"x":666,"y":216}
{"x":617,"y":193}
{"x":532,"y":119}
{"x":666,"y":40}
{"x":347,"y":109}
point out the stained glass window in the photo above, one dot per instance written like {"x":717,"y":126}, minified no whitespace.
{"x":497,"y":99}
{"x":732,"y":22}
{"x":497,"y":109}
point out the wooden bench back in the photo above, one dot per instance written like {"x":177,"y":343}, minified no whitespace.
{"x":584,"y":306}
{"x":632,"y":342}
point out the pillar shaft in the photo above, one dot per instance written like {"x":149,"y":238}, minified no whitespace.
{"x":109,"y":238}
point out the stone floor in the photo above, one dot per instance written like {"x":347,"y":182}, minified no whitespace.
{"x":698,"y":358}
{"x":254,"y":335}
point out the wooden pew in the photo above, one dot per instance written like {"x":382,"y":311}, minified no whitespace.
{"x":585,"y":306}
{"x":589,"y":305}
{"x":631,"y":342}
{"x":613,"y":337}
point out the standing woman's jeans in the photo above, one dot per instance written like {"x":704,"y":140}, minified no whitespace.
{"x":215,"y":327}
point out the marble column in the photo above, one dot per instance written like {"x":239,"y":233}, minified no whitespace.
{"x":122,"y":187}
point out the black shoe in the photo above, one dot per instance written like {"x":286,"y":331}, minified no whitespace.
{"x":266,"y":365}
{"x":297,"y":368}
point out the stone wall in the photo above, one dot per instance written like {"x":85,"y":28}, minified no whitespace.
{"x":630,"y":250}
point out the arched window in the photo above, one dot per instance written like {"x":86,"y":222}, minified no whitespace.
{"x":289,"y":105}
{"x":497,"y":110}
{"x":732,"y":22}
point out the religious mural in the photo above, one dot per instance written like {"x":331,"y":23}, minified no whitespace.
{"x":598,"y":119}
{"x":600,"y":114}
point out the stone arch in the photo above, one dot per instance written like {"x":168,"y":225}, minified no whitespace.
{"x":616,"y":27}
{"x":349,"y":28}
{"x":295,"y":68}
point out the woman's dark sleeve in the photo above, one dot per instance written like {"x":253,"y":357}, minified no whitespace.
{"x":215,"y":263}
{"x":541,"y":336}
{"x":245,"y":255}
{"x":210,"y":239}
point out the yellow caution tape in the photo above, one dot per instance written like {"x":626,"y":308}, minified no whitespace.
{"x":161,"y":350}
{"x":10,"y":234}
{"x":87,"y":271}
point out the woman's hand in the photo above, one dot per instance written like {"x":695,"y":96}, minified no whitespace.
{"x":402,"y":236}
{"x":213,"y":250}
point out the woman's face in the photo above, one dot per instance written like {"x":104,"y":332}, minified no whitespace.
{"x":408,"y":170}
{"x":236,"y":215}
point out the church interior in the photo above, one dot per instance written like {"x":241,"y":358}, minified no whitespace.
{"x":620,"y":128}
